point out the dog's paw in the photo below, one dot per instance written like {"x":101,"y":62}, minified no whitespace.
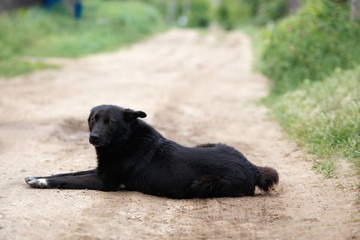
{"x":36,"y":182}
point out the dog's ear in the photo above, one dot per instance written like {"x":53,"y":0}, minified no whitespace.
{"x":131,"y":115}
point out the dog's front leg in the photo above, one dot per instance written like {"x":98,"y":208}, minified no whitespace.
{"x":93,"y":171}
{"x":86,"y":180}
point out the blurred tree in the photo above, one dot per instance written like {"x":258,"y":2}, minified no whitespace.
{"x":200,"y":14}
{"x":230,"y":12}
{"x":292,"y":5}
{"x":355,"y":10}
{"x":186,"y":6}
{"x":185,"y":11}
{"x":6,"y":5}
{"x":171,"y":11}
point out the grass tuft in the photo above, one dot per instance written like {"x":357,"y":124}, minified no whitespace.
{"x":324,"y":118}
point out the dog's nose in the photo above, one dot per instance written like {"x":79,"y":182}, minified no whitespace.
{"x":94,"y":138}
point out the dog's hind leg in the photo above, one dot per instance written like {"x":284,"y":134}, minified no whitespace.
{"x":89,"y":180}
{"x":208,"y":186}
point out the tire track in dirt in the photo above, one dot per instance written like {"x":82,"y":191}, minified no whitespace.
{"x":195,"y":89}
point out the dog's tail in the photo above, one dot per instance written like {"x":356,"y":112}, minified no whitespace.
{"x":268,"y":177}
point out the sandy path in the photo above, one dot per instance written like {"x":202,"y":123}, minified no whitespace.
{"x":195,"y":89}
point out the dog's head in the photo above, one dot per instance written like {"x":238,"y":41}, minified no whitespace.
{"x":109,"y":124}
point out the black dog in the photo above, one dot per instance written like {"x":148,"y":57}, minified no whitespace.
{"x":134,"y":156}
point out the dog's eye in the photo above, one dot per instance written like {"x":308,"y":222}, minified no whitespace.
{"x":93,"y":120}
{"x":111,"y":122}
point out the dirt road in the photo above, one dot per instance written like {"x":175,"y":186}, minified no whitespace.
{"x":195,"y":89}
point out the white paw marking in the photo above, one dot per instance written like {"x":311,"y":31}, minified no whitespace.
{"x":122,"y":186}
{"x":36,"y":182}
{"x":42,"y":182}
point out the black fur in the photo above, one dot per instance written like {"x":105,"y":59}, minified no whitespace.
{"x":132,"y":155}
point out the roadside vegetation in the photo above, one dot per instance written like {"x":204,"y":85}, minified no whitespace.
{"x":106,"y":25}
{"x":313,"y":61}
{"x":310,"y":45}
{"x":324,"y":118}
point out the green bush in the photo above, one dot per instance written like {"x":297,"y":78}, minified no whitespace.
{"x":270,"y":10}
{"x":200,"y":14}
{"x":106,"y":25}
{"x":161,"y":5}
{"x":231,"y":12}
{"x":310,"y":45}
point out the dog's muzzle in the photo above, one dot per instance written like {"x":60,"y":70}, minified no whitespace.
{"x":94,"y":139}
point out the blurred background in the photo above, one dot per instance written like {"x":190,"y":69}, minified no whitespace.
{"x":73,"y":28}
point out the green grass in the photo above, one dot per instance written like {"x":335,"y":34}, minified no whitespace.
{"x":13,"y":67}
{"x":324,"y":118}
{"x":105,"y":26}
